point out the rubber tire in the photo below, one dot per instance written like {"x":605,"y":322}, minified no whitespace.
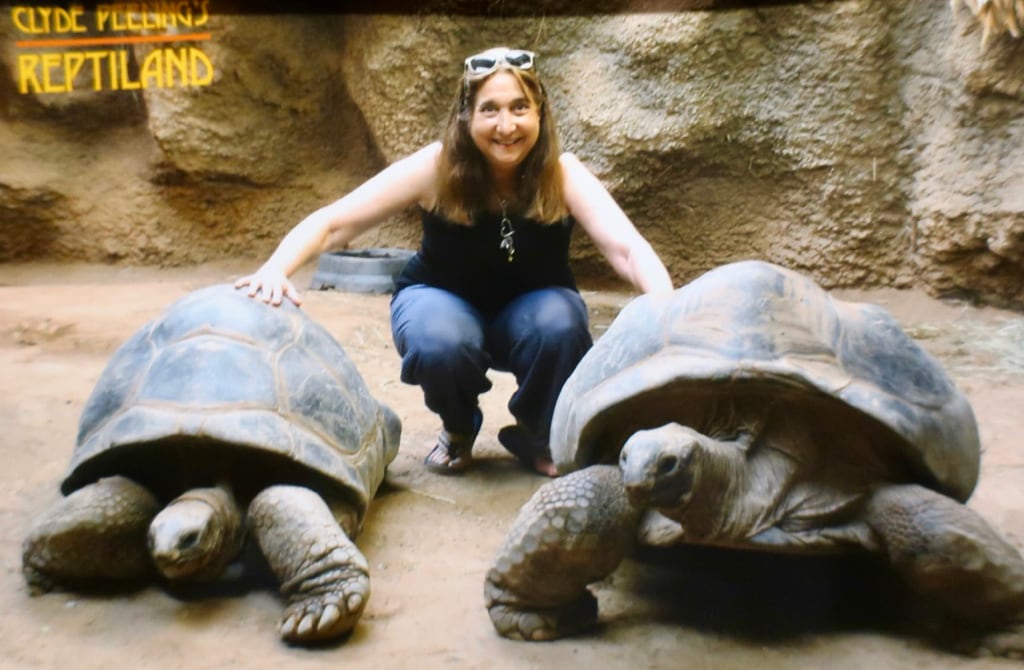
{"x":371,"y":270}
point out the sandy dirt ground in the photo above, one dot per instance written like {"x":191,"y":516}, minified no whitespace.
{"x":429,"y":539}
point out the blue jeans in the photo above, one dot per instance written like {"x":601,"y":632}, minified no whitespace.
{"x":447,"y":346}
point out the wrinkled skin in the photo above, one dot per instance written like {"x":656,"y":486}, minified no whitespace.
{"x":323,"y":575}
{"x":576,"y":530}
{"x":100,"y":533}
{"x":196,"y":535}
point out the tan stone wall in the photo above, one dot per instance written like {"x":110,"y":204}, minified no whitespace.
{"x":865,"y":143}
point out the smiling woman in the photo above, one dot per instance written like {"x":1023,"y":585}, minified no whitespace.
{"x":490,"y":286}
{"x":504,"y":127}
{"x":511,"y":125}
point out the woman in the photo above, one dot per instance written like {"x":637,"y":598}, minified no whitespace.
{"x":490,"y":286}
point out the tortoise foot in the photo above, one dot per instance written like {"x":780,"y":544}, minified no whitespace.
{"x":329,"y":613}
{"x":97,"y":533}
{"x":969,"y":576}
{"x":324,"y":577}
{"x":574,"y":531}
{"x":536,"y":625}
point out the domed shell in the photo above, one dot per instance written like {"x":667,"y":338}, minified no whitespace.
{"x":761,"y":330}
{"x":219,"y":375}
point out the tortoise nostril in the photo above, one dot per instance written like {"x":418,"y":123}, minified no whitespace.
{"x":188,"y":540}
{"x":667,"y":464}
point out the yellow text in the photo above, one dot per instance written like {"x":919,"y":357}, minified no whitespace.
{"x":111,"y":70}
{"x":142,"y":16}
{"x":118,"y":16}
{"x":48,"y":20}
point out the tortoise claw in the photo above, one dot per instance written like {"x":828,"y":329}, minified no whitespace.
{"x":325,"y":616}
{"x":536,"y":625}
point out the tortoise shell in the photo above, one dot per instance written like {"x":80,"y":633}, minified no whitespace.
{"x":222,"y":386}
{"x":764,"y":332}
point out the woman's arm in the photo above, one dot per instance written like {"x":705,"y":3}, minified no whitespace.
{"x":629,"y":254}
{"x":403,"y":183}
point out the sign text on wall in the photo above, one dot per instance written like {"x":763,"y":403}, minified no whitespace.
{"x":64,"y":49}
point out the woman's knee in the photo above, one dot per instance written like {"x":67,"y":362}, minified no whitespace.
{"x":442,"y":342}
{"x":559,"y":315}
{"x":433,"y":324}
{"x":545,"y":325}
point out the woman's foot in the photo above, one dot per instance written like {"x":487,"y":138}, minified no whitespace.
{"x":528,"y":450}
{"x":453,"y":452}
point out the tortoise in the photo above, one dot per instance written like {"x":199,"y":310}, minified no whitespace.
{"x":750,"y":409}
{"x":223,"y":419}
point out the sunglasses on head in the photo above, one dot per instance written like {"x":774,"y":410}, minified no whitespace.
{"x":489,"y":61}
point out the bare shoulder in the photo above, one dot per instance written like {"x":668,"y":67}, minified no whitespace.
{"x":574,"y":171}
{"x":426,"y":157}
{"x":416,"y":173}
{"x":433,"y":150}
{"x":578,"y":179}
{"x":570,"y":162}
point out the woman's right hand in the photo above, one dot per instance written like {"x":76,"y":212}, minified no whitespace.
{"x":400,"y":185}
{"x":271,"y":286}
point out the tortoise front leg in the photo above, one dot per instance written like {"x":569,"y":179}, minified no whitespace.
{"x":323,"y":575}
{"x":96,"y":533}
{"x":574,"y":531}
{"x":952,"y":557}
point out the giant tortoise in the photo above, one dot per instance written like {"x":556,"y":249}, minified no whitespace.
{"x":752,"y":410}
{"x":224,"y":418}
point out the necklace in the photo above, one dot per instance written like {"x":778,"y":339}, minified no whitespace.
{"x":507,"y":232}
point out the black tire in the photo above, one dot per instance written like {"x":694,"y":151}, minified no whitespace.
{"x":360,"y":270}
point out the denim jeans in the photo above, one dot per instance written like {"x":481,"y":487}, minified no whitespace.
{"x":447,"y":347}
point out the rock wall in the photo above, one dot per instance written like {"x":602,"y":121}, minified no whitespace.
{"x":864,"y":143}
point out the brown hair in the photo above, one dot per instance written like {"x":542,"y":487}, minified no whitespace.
{"x":464,"y":187}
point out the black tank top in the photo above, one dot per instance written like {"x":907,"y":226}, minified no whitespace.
{"x":469,"y":260}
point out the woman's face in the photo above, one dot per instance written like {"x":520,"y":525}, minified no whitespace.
{"x":505,"y":124}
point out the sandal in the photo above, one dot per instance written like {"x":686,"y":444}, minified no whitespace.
{"x":453,"y":452}
{"x":532,"y":453}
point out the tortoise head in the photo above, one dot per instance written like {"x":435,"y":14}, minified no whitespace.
{"x":661,"y":467}
{"x":196,"y":535}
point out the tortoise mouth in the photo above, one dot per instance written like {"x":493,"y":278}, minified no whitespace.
{"x":180,"y":567}
{"x":659,"y":466}
{"x":673,"y":492}
{"x":663,"y":491}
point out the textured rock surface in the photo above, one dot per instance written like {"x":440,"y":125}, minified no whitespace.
{"x":865,"y":143}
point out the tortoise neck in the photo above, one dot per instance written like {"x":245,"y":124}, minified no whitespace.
{"x":714,"y":510}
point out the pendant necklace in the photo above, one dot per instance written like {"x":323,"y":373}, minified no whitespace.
{"x":507,"y":231}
